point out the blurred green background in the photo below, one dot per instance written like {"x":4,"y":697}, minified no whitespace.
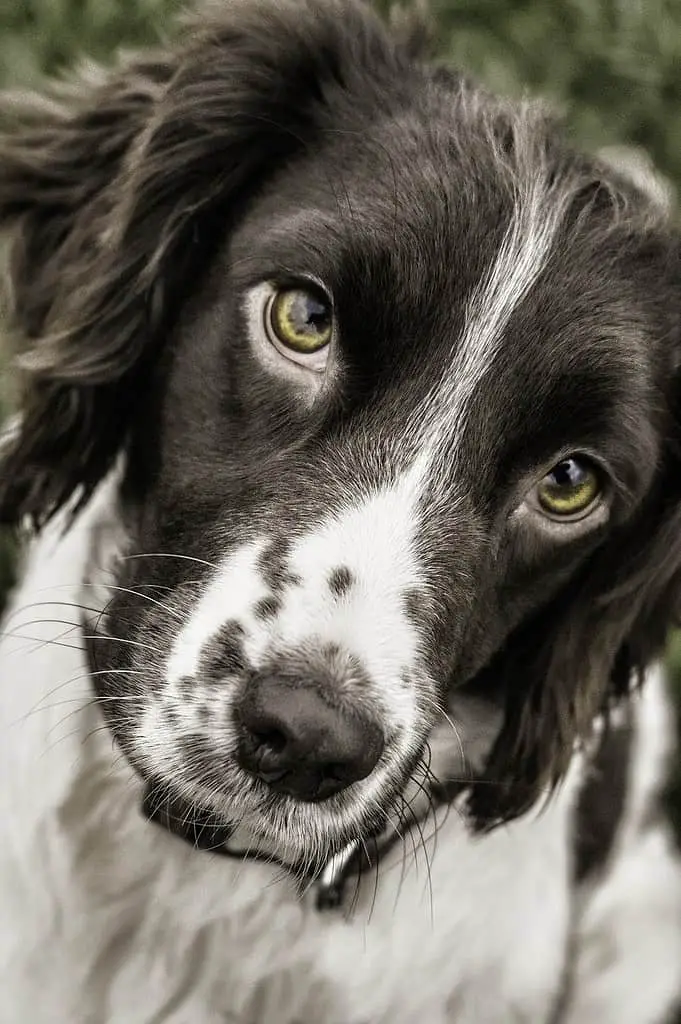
{"x":613,"y":67}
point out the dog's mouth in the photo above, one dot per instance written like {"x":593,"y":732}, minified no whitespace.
{"x":324,"y":870}
{"x":198,"y":827}
{"x":248,"y":837}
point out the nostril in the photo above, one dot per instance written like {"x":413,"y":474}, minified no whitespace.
{"x":273,"y":740}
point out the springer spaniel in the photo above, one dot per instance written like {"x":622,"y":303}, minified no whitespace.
{"x":350,"y":447}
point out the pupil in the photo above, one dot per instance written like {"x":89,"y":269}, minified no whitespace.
{"x":568,"y":474}
{"x":310,"y":314}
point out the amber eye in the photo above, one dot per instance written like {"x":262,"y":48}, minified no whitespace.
{"x":570,"y":489}
{"x":300,"y":319}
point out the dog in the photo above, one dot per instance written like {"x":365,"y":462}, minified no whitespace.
{"x":348,"y":458}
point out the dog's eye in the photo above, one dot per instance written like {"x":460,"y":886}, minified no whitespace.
{"x":299,"y":321}
{"x":571,"y":489}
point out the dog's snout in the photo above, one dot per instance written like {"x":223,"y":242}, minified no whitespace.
{"x":297,"y":742}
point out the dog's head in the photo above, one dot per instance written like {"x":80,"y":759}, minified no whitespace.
{"x":395,"y":376}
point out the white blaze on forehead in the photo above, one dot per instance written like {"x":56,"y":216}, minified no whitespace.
{"x":374,"y":535}
{"x":539,"y":209}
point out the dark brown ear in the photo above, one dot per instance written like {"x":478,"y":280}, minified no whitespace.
{"x":60,"y":153}
{"x":61,"y":157}
{"x":110,"y":192}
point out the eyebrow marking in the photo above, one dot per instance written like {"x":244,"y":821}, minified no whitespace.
{"x":223,"y":654}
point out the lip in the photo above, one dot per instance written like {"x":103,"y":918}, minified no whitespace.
{"x":197,"y":827}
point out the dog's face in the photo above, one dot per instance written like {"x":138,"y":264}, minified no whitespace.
{"x":394,"y":373}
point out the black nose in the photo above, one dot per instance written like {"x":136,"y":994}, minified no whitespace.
{"x":297,"y":742}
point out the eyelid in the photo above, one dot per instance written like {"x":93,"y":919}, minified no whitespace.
{"x":581,"y":452}
{"x":535,"y":525}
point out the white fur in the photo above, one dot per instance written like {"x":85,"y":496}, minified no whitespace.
{"x":628,"y":963}
{"x":374,"y":538}
{"x":106,"y":919}
{"x":231,"y":593}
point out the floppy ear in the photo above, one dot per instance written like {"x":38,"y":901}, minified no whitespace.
{"x":60,"y":157}
{"x":113,"y":191}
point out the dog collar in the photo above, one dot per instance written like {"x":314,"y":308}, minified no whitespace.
{"x":358,"y":858}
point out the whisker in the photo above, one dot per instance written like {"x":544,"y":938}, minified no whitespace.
{"x":443,"y":713}
{"x":171,"y":554}
{"x":137,"y":593}
{"x":429,"y":874}
{"x":51,"y":604}
{"x":376,"y":876}
{"x":403,"y":869}
{"x":11,"y":634}
{"x":41,"y":705}
{"x":408,"y":813}
{"x":42,"y":642}
{"x":97,"y":611}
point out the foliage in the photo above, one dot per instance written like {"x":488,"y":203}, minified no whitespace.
{"x":46,"y":36}
{"x":613,"y":65}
